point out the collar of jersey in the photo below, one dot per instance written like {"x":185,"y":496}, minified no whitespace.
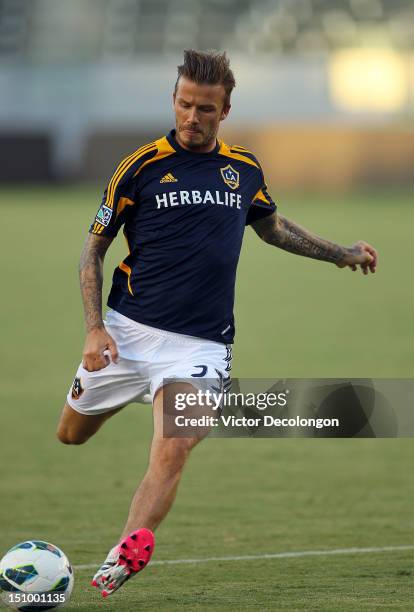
{"x":171,"y":139}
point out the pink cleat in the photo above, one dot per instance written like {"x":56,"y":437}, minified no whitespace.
{"x":125,"y":560}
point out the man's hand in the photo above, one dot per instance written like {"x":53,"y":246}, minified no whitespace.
{"x":98,"y":343}
{"x":360,"y":254}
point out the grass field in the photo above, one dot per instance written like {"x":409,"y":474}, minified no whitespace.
{"x":295,"y":317}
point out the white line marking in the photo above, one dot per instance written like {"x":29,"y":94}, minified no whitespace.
{"x":282,"y":555}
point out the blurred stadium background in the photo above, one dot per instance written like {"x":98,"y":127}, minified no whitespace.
{"x":325,"y":98}
{"x":325,"y":90}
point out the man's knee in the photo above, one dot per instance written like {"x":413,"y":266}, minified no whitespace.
{"x":76,"y":428}
{"x":68,"y":436}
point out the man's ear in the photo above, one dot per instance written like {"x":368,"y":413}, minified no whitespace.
{"x":173,"y":99}
{"x":225,"y":111}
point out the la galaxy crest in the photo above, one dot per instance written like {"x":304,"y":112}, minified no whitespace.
{"x":230,"y":176}
{"x":77,"y":389}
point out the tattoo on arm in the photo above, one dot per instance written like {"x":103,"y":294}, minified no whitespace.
{"x":287,"y":235}
{"x":91,"y":278}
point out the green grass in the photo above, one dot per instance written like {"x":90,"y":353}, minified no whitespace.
{"x":295,"y":317}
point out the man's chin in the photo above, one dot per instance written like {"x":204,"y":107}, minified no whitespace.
{"x":192,"y":140}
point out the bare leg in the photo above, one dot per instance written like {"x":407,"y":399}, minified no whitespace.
{"x":77,"y":428}
{"x":156,"y":493}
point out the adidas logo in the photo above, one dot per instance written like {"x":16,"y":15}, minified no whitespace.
{"x":168,"y":178}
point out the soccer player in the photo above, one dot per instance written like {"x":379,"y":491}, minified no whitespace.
{"x":183,"y":201}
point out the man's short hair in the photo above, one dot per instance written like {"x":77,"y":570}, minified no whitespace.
{"x":207,"y":67}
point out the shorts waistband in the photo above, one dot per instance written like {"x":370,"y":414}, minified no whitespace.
{"x":156,"y":331}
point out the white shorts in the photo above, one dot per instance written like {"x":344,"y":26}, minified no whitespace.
{"x":147,"y":356}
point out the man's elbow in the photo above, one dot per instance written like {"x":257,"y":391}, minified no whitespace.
{"x":267,"y":237}
{"x":274,"y":235}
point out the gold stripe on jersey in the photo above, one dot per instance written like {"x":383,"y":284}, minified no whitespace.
{"x":97,"y":228}
{"x":164,"y":149}
{"x":122,"y":203}
{"x":225,"y":150}
{"x":128,"y":270}
{"x":121,"y":166}
{"x":241,"y":149}
{"x":119,"y":169}
{"x":125,"y":268}
{"x":261,"y":196}
{"x":122,"y":169}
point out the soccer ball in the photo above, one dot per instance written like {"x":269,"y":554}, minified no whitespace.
{"x":35,"y":575}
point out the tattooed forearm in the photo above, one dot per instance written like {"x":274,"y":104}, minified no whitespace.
{"x":91,"y":278}
{"x":295,"y":239}
{"x":289,"y":236}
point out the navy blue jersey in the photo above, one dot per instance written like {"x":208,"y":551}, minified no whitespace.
{"x":184,"y":216}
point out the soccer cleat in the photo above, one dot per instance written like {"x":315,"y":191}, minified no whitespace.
{"x":109,"y":563}
{"x":131,"y":555}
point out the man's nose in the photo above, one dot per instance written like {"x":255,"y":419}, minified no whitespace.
{"x":193,"y":115}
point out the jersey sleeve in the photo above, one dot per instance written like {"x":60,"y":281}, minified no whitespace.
{"x":118,"y":197}
{"x":121,"y":194}
{"x":262,"y":204}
